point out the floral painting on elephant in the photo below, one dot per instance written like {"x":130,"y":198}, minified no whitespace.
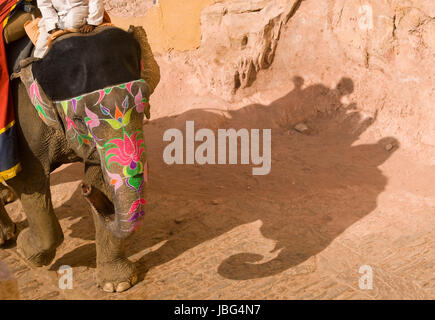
{"x":110,"y":121}
{"x":113,"y":124}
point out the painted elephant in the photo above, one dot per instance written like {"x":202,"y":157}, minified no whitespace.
{"x":85,"y":101}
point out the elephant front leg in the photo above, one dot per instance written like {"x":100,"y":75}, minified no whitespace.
{"x":7,"y":227}
{"x":37,"y":244}
{"x":115,"y":273}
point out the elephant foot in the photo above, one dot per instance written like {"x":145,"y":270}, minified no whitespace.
{"x":8,"y":232}
{"x":28,"y":249}
{"x":7,"y":195}
{"x":116,"y":276}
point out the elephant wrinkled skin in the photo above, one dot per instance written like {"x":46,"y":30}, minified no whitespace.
{"x":103,"y":129}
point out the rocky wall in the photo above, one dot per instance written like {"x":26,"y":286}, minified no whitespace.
{"x":263,"y":51}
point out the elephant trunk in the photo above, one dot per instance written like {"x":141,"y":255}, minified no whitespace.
{"x":121,"y":220}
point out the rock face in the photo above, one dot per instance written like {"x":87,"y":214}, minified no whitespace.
{"x":240,"y":38}
{"x":260,"y":52}
{"x":128,"y":8}
{"x":385,"y":32}
{"x":8,"y":284}
{"x":170,"y":24}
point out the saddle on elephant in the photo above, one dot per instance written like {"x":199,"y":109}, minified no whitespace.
{"x":77,"y":64}
{"x":84,"y":64}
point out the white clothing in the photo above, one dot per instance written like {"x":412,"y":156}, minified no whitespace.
{"x":52,"y":10}
{"x":65,"y":14}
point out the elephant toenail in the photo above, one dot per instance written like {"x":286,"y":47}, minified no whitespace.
{"x":108,"y":287}
{"x":123,"y":286}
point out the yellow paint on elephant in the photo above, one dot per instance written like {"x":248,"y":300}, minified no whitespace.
{"x":170,"y":24}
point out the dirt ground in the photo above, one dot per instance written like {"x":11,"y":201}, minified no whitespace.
{"x":334,"y":201}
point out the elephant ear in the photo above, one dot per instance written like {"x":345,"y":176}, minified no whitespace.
{"x":150,"y":70}
{"x":43,"y":105}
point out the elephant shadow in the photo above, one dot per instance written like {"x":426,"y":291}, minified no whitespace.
{"x":320,"y":184}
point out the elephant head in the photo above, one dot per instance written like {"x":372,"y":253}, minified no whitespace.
{"x":105,"y":121}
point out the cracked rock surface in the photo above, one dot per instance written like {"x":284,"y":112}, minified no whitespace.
{"x":128,"y":8}
{"x":240,"y":39}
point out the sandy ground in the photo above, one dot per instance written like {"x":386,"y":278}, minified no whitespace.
{"x":333,"y":202}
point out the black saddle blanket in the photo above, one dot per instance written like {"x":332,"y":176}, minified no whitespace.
{"x":81,"y":63}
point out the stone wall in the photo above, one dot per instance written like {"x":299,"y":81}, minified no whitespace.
{"x":170,"y":24}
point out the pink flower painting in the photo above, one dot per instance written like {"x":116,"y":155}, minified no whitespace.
{"x":126,"y":152}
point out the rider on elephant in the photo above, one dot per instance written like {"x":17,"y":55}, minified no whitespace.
{"x":83,"y":15}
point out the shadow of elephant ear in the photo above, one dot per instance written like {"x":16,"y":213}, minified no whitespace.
{"x":84,"y":256}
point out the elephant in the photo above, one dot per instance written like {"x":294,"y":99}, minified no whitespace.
{"x":85,"y":100}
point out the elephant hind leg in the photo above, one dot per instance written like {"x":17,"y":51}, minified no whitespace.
{"x":37,"y":244}
{"x":7,"y":227}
